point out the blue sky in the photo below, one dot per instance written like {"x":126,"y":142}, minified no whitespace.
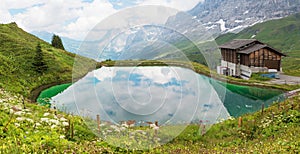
{"x":72,"y":18}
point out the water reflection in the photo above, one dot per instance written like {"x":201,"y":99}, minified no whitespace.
{"x":165,"y":94}
{"x":170,"y":95}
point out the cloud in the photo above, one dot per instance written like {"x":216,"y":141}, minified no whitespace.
{"x":5,"y":16}
{"x":180,"y":5}
{"x":75,"y":18}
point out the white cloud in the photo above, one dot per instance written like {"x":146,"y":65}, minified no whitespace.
{"x":180,"y":5}
{"x":73,"y":18}
{"x":5,"y":17}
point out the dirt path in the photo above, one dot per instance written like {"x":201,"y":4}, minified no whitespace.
{"x":286,"y":79}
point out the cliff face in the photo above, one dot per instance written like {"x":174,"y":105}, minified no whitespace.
{"x":221,"y":16}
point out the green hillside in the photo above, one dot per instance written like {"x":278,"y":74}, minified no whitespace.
{"x":17,"y":52}
{"x":38,"y":129}
{"x":282,"y":34}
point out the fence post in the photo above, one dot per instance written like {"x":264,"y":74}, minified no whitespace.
{"x":72,"y":129}
{"x":98,"y":122}
{"x":240,"y":122}
{"x":203,"y":129}
{"x":156,"y":130}
{"x":262,"y":109}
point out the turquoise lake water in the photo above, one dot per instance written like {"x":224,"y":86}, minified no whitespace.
{"x":165,"y":94}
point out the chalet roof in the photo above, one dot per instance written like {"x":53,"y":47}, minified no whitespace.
{"x":237,"y":43}
{"x":247,"y":46}
{"x":252,"y":48}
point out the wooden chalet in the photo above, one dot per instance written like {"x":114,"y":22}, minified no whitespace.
{"x":242,"y":57}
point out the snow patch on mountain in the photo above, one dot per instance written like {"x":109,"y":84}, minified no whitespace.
{"x":222,"y":25}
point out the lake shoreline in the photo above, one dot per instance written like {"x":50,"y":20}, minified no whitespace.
{"x":37,"y":91}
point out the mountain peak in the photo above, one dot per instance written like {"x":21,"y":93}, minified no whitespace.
{"x":239,"y":14}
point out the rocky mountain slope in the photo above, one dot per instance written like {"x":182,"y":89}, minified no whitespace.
{"x":221,"y":16}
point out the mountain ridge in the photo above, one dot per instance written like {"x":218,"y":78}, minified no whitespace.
{"x":235,"y":15}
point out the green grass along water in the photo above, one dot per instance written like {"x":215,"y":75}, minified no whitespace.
{"x":44,"y":97}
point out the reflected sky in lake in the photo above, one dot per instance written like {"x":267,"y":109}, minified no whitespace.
{"x":169,"y":95}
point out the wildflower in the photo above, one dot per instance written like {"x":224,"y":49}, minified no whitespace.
{"x":19,"y":113}
{"x":108,"y":131}
{"x":17,"y":124}
{"x":65,"y":123}
{"x":63,"y":119}
{"x":140,"y":131}
{"x":46,"y":114}
{"x":114,"y":127}
{"x":45,"y":120}
{"x":20,"y":119}
{"x":26,"y":110}
{"x":123,"y":128}
{"x":29,"y":120}
{"x":54,"y":121}
{"x":125,"y":125}
{"x":38,"y":124}
{"x":62,"y":136}
{"x":53,"y":126}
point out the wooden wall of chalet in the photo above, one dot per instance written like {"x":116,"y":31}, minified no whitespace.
{"x":264,"y":58}
{"x":229,"y":55}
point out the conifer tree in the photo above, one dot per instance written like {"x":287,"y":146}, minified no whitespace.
{"x":56,"y":42}
{"x":39,"y":64}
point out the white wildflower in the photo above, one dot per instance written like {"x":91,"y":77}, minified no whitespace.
{"x":20,"y":119}
{"x":45,"y":120}
{"x":62,"y":136}
{"x":29,"y":120}
{"x":65,"y":123}
{"x":26,"y":110}
{"x":117,"y":130}
{"x":114,"y":127}
{"x":125,"y":125}
{"x":46,"y":114}
{"x":38,"y":124}
{"x":17,"y":124}
{"x":53,"y":126}
{"x":108,"y":131}
{"x":54,"y":121}
{"x":140,"y":131}
{"x":63,"y":119}
{"x":123,"y":128}
{"x":19,"y":113}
